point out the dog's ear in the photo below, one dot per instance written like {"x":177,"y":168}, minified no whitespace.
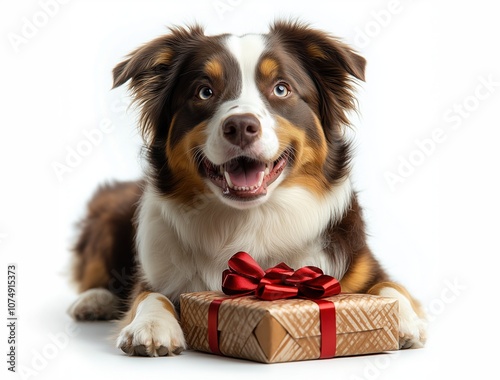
{"x":161,"y":51}
{"x":332,"y":65}
{"x":152,"y":70}
{"x":141,"y":60}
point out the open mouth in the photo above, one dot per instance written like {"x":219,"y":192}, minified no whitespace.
{"x":245,"y":178}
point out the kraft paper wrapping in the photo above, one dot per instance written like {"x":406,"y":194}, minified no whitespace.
{"x":289,"y":330}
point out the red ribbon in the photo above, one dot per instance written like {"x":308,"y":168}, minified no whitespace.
{"x":246,"y":277}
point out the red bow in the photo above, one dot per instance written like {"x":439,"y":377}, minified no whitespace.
{"x":245,"y":276}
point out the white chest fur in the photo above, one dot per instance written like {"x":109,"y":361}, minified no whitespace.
{"x":186,"y":248}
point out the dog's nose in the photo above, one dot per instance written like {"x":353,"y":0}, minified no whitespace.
{"x":242,"y":129}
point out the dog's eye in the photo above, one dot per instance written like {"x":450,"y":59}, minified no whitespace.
{"x":281,"y":90}
{"x":205,"y":93}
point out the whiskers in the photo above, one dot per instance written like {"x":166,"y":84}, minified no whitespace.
{"x":197,"y":154}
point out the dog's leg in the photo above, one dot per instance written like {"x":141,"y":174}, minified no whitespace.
{"x":412,"y":322}
{"x":365,"y":275}
{"x":103,"y":261}
{"x":151,"y":327}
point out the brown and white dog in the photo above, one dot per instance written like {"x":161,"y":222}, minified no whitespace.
{"x":246,"y":151}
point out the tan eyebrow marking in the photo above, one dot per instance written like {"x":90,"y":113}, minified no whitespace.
{"x":214,"y":69}
{"x":269,"y":67}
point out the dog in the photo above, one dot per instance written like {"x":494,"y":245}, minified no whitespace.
{"x":246,"y":150}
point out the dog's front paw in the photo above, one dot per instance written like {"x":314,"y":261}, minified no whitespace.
{"x":154,"y":331}
{"x":152,"y":337}
{"x":412,"y":322}
{"x":412,"y":328}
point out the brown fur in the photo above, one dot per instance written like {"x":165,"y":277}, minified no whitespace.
{"x":308,"y":156}
{"x":322,"y":67}
{"x":104,"y":252}
{"x":189,"y":185}
{"x":348,"y":239}
{"x":321,"y":158}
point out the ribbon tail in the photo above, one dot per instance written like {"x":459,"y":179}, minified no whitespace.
{"x":213,"y":323}
{"x":328,"y":328}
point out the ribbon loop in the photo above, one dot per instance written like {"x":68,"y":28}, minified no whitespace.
{"x":244,"y":264}
{"x":245,"y":276}
{"x":234,"y":284}
{"x":320,"y":287}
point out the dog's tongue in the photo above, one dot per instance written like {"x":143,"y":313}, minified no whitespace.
{"x":245,"y":172}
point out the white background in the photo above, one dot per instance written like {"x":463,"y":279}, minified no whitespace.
{"x":434,"y":231}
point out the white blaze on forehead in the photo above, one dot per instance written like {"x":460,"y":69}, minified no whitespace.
{"x":247,"y":51}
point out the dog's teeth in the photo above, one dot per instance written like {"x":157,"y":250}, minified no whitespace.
{"x":261,"y":177}
{"x":244,"y":188}
{"x":267,"y":171}
{"x":228,"y":180}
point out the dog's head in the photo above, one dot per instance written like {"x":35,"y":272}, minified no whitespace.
{"x":241,"y":115}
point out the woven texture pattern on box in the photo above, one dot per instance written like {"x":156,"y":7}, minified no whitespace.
{"x":289,"y":330}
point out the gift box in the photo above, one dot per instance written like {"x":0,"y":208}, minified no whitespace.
{"x":289,"y":329}
{"x":281,"y":314}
